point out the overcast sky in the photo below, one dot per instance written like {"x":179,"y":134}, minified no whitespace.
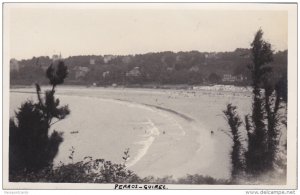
{"x":93,"y":30}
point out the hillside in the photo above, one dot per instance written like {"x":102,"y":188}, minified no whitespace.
{"x":162,"y":68}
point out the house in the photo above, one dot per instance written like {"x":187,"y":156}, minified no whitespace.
{"x":170,"y":69}
{"x":92,"y":61}
{"x":81,"y":71}
{"x":241,"y":78}
{"x":194,"y":69}
{"x":126,"y":59}
{"x":14,"y":65}
{"x":211,"y":55}
{"x":231,"y":78}
{"x":108,"y":58}
{"x":178,"y":58}
{"x":135,"y":72}
{"x":105,"y":74}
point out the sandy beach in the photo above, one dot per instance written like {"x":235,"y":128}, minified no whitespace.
{"x":168,"y":131}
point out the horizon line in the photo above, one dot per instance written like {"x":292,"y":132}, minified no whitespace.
{"x":153,"y":52}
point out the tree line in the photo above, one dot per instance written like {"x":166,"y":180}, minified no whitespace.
{"x":191,"y":68}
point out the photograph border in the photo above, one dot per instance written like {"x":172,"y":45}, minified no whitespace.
{"x":292,"y":108}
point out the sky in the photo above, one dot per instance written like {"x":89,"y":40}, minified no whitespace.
{"x":99,"y":30}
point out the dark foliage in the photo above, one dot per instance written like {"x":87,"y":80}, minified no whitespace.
{"x":262,"y":125}
{"x":273,"y":98}
{"x":236,"y":154}
{"x":200,"y":179}
{"x":258,"y":157}
{"x":282,"y":88}
{"x":57,"y":72}
{"x":214,"y":78}
{"x":102,"y":171}
{"x":31,"y":148}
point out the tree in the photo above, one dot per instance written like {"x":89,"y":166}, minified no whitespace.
{"x":56,"y":73}
{"x":195,"y":78}
{"x":30,"y":147}
{"x":262,"y":125}
{"x":214,"y":78}
{"x":258,"y":135}
{"x":235,"y":122}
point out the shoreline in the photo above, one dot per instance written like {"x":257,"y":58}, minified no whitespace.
{"x":199,"y":111}
{"x":159,"y":87}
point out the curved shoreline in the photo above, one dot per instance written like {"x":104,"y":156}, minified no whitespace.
{"x":178,"y":152}
{"x":154,"y":131}
{"x":187,"y":118}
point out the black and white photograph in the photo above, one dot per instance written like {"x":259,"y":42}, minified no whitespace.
{"x":149,"y":96}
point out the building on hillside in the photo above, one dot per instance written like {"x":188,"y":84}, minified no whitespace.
{"x":178,"y":58}
{"x":14,"y":65}
{"x":170,"y":69}
{"x":233,"y":78}
{"x":126,"y":59}
{"x":92,"y":61}
{"x":211,"y":55}
{"x":194,"y":69}
{"x":105,"y":74}
{"x":135,"y":72}
{"x":108,"y":58}
{"x":81,"y":71}
{"x":241,"y":77}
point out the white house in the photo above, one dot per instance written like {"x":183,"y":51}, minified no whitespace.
{"x":81,"y":71}
{"x":92,"y":61}
{"x":108,"y":58}
{"x":135,"y":72}
{"x":231,"y":78}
